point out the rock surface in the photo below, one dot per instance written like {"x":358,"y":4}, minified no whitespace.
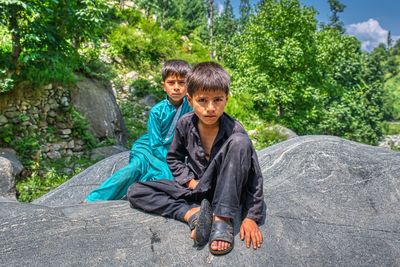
{"x":10,"y":166}
{"x":97,"y":103}
{"x":7,"y":180}
{"x":11,"y":155}
{"x":106,"y":151}
{"x":331,"y":202}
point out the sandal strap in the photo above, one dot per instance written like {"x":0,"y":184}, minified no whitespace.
{"x":192,"y":222}
{"x":223,"y":231}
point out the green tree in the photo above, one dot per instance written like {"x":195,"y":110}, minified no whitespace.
{"x":314,"y":82}
{"x":225,"y":28}
{"x":166,"y":11}
{"x":274,"y":59}
{"x":194,"y":15}
{"x":245,"y":11}
{"x":45,"y":36}
{"x":336,"y":7}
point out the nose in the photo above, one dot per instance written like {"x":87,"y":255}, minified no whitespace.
{"x":210,"y":106}
{"x":176,"y":86}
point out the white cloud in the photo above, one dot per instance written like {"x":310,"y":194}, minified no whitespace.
{"x":370,"y":33}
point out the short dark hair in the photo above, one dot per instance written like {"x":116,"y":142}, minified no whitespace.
{"x":208,"y":76}
{"x":175,"y":67}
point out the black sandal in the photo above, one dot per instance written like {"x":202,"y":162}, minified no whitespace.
{"x":222,"y":231}
{"x":201,"y":223}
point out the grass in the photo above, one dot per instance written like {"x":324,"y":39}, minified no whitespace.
{"x":391,"y":128}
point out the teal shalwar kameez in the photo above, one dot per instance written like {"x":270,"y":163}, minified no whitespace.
{"x":147,"y":161}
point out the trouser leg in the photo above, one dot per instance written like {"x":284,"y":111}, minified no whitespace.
{"x":116,"y":186}
{"x":163,"y":197}
{"x":227,"y":174}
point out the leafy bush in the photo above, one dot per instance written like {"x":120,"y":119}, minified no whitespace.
{"x":135,"y":118}
{"x":81,"y":128}
{"x":143,"y":87}
{"x":36,"y":186}
{"x":392,"y":87}
{"x":143,"y":46}
{"x":47,"y":175}
{"x":267,"y":136}
{"x":391,"y":128}
{"x":6,"y":83}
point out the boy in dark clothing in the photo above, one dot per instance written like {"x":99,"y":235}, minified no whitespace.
{"x":211,"y":157}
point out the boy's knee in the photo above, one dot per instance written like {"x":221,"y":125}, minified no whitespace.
{"x":240,"y":141}
{"x":135,"y":191}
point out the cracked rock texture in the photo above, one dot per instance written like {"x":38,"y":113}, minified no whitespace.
{"x":331,"y":202}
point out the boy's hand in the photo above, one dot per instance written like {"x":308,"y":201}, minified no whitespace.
{"x":192,"y":184}
{"x":249,"y":230}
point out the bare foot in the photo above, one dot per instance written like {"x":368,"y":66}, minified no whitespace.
{"x":220,"y":245}
{"x":188,"y":214}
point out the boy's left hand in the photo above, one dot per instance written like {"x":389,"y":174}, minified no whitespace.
{"x":249,"y":230}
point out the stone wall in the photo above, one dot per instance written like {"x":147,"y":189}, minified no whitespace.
{"x":43,"y":114}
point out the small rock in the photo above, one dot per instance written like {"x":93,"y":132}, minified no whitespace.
{"x":77,"y":148}
{"x":3,"y":120}
{"x":26,"y":123}
{"x":44,"y":148}
{"x":55,"y":147}
{"x":66,"y":131}
{"x":52,"y":114}
{"x":43,"y":124}
{"x":54,"y":155}
{"x":71,"y":144}
{"x":11,"y":114}
{"x":64,"y":101}
{"x":69,"y":152}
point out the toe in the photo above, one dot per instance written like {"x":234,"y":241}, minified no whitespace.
{"x":214,"y":245}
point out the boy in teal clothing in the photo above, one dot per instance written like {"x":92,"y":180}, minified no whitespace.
{"x":147,"y":161}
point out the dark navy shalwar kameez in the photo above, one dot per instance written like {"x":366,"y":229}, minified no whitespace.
{"x":230,"y":179}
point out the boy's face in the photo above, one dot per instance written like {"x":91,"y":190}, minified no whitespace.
{"x":175,"y":87}
{"x":208,"y":106}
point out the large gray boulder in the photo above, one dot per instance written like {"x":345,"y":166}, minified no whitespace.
{"x":96,"y":102}
{"x":10,"y":167}
{"x":11,"y":155}
{"x":331,"y":202}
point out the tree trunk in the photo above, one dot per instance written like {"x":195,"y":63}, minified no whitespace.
{"x":13,"y":27}
{"x":211,"y":26}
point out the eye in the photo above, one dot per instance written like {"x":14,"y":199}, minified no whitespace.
{"x":219,"y":99}
{"x":201,"y":100}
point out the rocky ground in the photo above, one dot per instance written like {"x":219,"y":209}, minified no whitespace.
{"x":331,"y":202}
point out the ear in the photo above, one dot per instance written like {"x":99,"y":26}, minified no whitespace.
{"x":163,"y":86}
{"x":189,"y":99}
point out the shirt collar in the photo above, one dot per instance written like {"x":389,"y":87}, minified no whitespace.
{"x":170,"y":104}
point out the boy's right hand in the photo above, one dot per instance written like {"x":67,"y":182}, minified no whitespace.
{"x":192,"y":184}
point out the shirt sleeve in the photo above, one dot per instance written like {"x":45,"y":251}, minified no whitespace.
{"x":177,"y":158}
{"x":254,"y":203}
{"x":158,"y":145}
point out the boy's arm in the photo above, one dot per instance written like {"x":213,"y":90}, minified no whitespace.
{"x":177,"y":158}
{"x":157,"y":144}
{"x":254,"y":204}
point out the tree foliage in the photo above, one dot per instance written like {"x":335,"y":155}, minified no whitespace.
{"x":45,"y":34}
{"x":336,"y":7}
{"x":314,"y":82}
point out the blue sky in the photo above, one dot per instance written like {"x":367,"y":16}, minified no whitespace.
{"x":368,"y":20}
